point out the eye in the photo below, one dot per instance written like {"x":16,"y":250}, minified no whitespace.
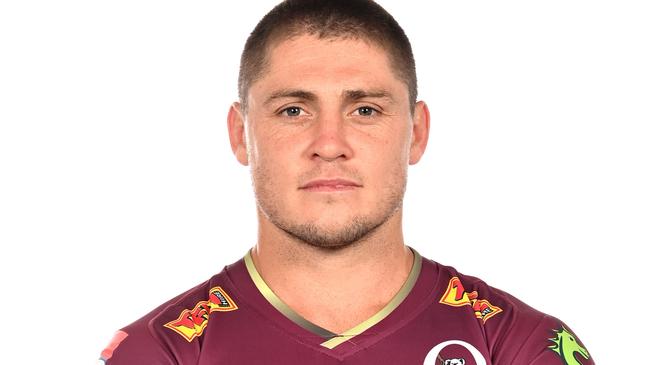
{"x":292,"y":111}
{"x":365,"y":111}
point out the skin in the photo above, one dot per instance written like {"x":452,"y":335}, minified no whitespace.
{"x":328,"y":135}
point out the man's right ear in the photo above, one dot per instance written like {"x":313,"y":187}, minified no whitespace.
{"x":237,"y":133}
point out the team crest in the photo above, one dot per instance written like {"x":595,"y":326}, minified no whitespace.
{"x":565,"y":345}
{"x":191,"y":323}
{"x":462,"y":353}
{"x":456,"y":296}
{"x":454,"y":362}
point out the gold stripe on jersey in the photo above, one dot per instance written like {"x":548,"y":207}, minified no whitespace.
{"x":391,"y":306}
{"x":333,"y":338}
{"x":273,"y":299}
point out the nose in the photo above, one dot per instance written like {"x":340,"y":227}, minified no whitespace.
{"x":330,"y":139}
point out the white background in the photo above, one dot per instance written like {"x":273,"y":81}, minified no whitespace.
{"x":118,"y":189}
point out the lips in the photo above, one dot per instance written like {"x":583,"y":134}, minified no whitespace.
{"x":325,"y":185}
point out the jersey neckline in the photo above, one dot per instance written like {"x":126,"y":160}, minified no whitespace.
{"x":332,"y":339}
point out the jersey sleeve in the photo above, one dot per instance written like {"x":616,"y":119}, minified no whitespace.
{"x":168,"y":335}
{"x":135,"y":345}
{"x":552,"y":343}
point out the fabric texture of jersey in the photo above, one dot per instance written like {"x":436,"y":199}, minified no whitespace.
{"x":438,"y":317}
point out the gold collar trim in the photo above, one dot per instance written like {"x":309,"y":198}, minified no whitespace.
{"x":334,"y":339}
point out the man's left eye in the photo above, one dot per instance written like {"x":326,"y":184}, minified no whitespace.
{"x":365,"y":111}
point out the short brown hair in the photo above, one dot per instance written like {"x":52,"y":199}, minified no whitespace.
{"x":356,"y":19}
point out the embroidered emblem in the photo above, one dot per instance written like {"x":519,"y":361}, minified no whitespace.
{"x":434,"y":358}
{"x":454,"y":362}
{"x":191,"y":323}
{"x":565,"y":345}
{"x":456,"y":296}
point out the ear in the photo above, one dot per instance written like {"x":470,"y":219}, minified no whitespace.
{"x":447,"y":362}
{"x":237,"y":133}
{"x":462,"y":361}
{"x":420,"y":129}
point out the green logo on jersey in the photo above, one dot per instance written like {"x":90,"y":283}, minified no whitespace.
{"x":566,"y":345}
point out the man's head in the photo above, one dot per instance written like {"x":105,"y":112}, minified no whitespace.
{"x":329,"y":129}
{"x":327,"y":19}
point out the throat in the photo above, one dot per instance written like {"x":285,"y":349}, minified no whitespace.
{"x":337,"y":316}
{"x":344,"y":306}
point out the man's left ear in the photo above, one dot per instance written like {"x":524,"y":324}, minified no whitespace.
{"x":420,"y":129}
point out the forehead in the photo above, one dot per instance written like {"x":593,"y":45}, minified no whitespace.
{"x":310,"y":63}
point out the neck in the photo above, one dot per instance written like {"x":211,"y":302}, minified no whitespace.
{"x":359,"y":278}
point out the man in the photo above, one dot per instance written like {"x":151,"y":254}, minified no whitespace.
{"x":328,"y":123}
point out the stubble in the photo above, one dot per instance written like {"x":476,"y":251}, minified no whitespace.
{"x":358,"y":228}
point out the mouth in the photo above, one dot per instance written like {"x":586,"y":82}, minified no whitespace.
{"x":330,"y":185}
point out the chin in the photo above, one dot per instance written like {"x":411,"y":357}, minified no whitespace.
{"x":332,"y":235}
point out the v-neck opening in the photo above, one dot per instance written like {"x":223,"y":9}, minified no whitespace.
{"x":333,"y":339}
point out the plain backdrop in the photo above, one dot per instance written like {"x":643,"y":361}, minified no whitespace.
{"x":118,"y":189}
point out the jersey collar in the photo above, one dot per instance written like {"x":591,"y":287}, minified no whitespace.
{"x":332,"y":339}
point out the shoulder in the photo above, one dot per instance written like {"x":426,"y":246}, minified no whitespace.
{"x":489,"y":304}
{"x":167,"y":334}
{"x":516,"y":332}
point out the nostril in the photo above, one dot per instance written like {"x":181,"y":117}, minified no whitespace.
{"x":329,"y":158}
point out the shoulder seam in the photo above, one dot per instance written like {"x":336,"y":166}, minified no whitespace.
{"x":157,"y":339}
{"x":545,"y":316}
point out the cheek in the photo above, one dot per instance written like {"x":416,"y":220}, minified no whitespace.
{"x":387,"y":170}
{"x":268,"y":140}
{"x":393,"y":152}
{"x":395,"y":139}
{"x":404,"y":146}
{"x":271,"y":160}
{"x":397,"y":160}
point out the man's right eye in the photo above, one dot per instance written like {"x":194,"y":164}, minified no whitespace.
{"x":292,"y":111}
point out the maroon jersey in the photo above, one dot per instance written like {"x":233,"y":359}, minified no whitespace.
{"x":438,"y":317}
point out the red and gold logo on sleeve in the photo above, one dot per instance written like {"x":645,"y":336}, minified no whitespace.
{"x":191,"y":323}
{"x":457,"y":296}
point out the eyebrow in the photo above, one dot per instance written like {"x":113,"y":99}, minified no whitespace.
{"x":290,"y":93}
{"x":353,"y":95}
{"x":348,"y":95}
